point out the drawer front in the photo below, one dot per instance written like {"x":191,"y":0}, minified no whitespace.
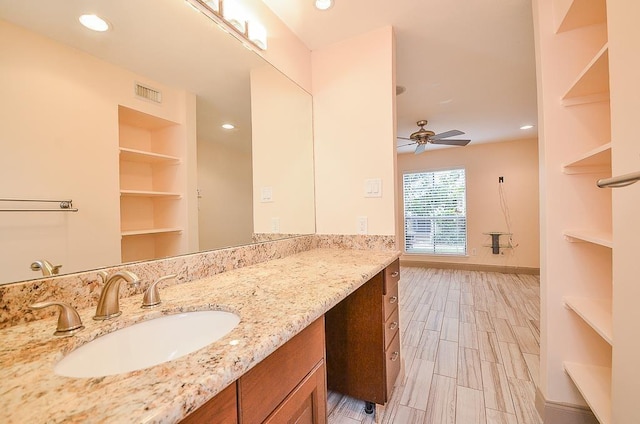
{"x":391,"y":275}
{"x":221,"y":409}
{"x":390,"y":301}
{"x":391,"y":327}
{"x":393,"y":363}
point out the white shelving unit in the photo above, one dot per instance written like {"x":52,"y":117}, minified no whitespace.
{"x":578,"y":139}
{"x":594,"y":383}
{"x":151,"y":200}
{"x":588,"y":236}
{"x":594,"y":161}
{"x":595,"y":312}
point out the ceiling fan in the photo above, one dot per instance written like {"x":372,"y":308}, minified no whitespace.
{"x":423,"y":137}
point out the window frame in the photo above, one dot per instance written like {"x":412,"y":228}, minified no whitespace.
{"x":435,"y":252}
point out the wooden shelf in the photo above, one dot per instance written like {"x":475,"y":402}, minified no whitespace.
{"x":596,"y":237}
{"x":595,"y":312}
{"x":572,"y":14}
{"x":592,"y":84}
{"x":150,"y":231}
{"x":133,"y":155}
{"x":594,"y":383}
{"x":144,"y":193}
{"x":597,"y":160}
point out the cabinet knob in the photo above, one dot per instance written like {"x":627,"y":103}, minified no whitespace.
{"x":394,"y":274}
{"x":393,"y":325}
{"x":393,"y":299}
{"x":395,"y":356}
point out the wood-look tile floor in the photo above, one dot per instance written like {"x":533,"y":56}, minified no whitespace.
{"x":470,"y":342}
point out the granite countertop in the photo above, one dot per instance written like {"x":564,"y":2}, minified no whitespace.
{"x":275,"y":300}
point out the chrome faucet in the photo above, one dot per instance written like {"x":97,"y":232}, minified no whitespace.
{"x":109,"y":304}
{"x":46,"y":267}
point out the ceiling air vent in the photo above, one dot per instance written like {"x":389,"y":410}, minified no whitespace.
{"x":148,"y":93}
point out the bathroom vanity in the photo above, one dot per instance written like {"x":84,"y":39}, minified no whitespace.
{"x":270,"y":368}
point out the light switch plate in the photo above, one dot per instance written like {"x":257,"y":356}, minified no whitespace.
{"x":266,"y":194}
{"x":373,"y":187}
{"x":275,"y":225}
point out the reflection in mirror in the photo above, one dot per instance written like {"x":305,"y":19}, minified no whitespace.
{"x":153,"y":175}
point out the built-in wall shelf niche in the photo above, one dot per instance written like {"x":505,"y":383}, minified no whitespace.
{"x":133,"y":155}
{"x":600,"y":238}
{"x":594,"y":161}
{"x":151,"y":231}
{"x":573,"y":14}
{"x":595,"y":312}
{"x":151,"y":185}
{"x":594,"y":384}
{"x":592,"y":84}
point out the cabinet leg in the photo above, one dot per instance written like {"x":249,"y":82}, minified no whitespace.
{"x":369,"y":407}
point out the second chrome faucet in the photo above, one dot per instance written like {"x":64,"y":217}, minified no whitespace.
{"x":109,"y":303}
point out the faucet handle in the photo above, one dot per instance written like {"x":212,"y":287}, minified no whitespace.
{"x":69,"y":321}
{"x":46,"y":267}
{"x":152,"y":295}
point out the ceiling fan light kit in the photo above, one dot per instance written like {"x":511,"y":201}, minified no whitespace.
{"x":422,"y":137}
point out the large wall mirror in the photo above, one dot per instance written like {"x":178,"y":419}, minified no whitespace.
{"x":128,"y":124}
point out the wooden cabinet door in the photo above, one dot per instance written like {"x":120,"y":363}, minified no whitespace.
{"x":307,"y":404}
{"x":263,"y":389}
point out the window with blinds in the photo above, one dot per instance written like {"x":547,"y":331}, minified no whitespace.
{"x":435,"y":212}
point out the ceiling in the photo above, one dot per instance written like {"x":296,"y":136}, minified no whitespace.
{"x":466,"y":64}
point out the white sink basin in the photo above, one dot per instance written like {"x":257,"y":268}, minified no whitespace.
{"x":147,"y":343}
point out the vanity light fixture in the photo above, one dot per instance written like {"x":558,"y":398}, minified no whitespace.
{"x":232,"y":17}
{"x":228,"y":126}
{"x":323,"y":4}
{"x":526,"y":127}
{"x":94,"y":23}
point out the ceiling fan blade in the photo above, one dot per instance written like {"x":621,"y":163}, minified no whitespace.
{"x":451,"y":142}
{"x":405,"y":145}
{"x":421,"y":148}
{"x":404,"y":138}
{"x":446,"y":134}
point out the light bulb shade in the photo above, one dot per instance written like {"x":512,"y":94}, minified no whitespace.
{"x":257,"y":34}
{"x":323,"y":4}
{"x":234,"y":14}
{"x":94,"y":22}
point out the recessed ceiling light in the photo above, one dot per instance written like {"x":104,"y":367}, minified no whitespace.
{"x":94,"y":22}
{"x":228,"y":126}
{"x":526,"y":127}
{"x":323,"y":4}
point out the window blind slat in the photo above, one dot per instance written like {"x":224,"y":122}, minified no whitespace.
{"x":435,"y":218}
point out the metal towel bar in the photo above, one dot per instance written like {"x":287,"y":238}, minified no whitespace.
{"x":64,"y":205}
{"x":620,"y":181}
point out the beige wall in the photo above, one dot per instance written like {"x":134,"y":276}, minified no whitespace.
{"x":517,"y":162}
{"x":59,"y":131}
{"x":354,"y":132}
{"x":282,"y":160}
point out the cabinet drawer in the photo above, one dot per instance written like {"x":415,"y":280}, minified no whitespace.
{"x":263,"y":388}
{"x":390,"y":301}
{"x":391,"y":276}
{"x":393,"y":363}
{"x":391,"y":327}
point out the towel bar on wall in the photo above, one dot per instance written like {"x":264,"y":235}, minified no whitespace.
{"x":620,"y":181}
{"x":64,"y":206}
